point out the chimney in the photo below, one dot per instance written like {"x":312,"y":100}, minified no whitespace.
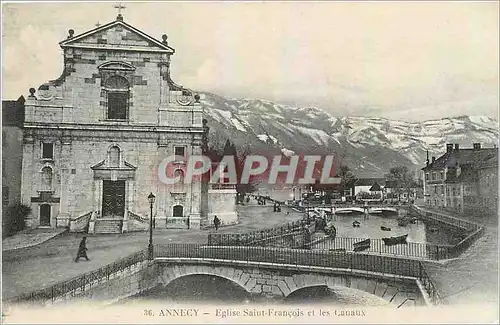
{"x":433,"y":159}
{"x":457,"y":147}
{"x":476,"y":146}
{"x":449,"y":147}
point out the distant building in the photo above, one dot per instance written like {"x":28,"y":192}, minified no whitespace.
{"x":12,"y":151}
{"x":367,"y":185}
{"x":404,"y":194}
{"x":463,"y":179}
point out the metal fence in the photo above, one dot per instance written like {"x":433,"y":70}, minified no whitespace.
{"x":82,"y":282}
{"x":299,"y":257}
{"x":259,"y":236}
{"x":443,"y":218}
{"x":290,"y":236}
{"x":408,"y":249}
{"x":388,"y":265}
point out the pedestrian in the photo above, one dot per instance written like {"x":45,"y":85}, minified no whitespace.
{"x":82,"y":250}
{"x":216,"y":223}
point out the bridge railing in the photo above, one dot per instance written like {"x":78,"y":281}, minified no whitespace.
{"x":81,"y":282}
{"x":441,"y":217}
{"x":475,"y":231}
{"x":380,"y":264}
{"x":378,"y":246}
{"x":251,"y":238}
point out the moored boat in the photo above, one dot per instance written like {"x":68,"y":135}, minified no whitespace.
{"x":395,"y":240}
{"x":362,"y":245}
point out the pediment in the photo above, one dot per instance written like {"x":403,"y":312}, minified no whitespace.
{"x":103,"y":166}
{"x":116,"y":65}
{"x":117,"y":35}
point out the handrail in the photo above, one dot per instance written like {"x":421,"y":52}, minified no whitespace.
{"x":300,"y":257}
{"x":429,"y":286}
{"x":81,"y":281}
{"x":137,"y":217}
{"x":81,"y":222}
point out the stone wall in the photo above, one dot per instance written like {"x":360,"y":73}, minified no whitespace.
{"x":276,"y":283}
{"x":222,"y":203}
{"x":74,"y":185}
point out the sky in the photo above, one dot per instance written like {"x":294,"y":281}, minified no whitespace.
{"x":411,"y":61}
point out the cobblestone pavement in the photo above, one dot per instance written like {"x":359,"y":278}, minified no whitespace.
{"x":29,"y":238}
{"x":28,"y":269}
{"x":473,"y":277}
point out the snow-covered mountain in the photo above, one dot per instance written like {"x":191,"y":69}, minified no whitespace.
{"x":369,"y":145}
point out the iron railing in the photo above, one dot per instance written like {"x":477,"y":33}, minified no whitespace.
{"x":290,"y":236}
{"x":258,"y":236}
{"x":429,"y":286}
{"x":81,"y":282}
{"x":443,"y":218}
{"x":387,"y":265}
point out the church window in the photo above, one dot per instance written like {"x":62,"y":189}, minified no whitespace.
{"x":47,"y":150}
{"x":114,"y":156}
{"x":46,"y":179}
{"x":180,"y":151}
{"x":179,"y":184}
{"x":118,"y":94}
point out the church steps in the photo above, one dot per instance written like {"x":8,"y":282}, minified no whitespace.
{"x":108,"y":226}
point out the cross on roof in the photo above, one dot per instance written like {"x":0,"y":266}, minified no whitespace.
{"x":120,"y":7}
{"x":97,"y":25}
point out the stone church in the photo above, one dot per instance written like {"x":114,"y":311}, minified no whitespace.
{"x":94,"y":137}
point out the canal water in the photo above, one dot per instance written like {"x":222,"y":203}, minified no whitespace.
{"x":370,"y":227}
{"x":207,"y":289}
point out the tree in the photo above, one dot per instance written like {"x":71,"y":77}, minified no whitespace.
{"x":347,"y":177}
{"x":15,"y":218}
{"x":400,"y":180}
{"x":251,"y":186}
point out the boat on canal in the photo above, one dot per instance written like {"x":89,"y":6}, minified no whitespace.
{"x":395,"y":240}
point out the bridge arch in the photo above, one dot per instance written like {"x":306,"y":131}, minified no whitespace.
{"x":177,"y":271}
{"x":274,"y":283}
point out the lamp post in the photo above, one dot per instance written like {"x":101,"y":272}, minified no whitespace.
{"x":151,"y":199}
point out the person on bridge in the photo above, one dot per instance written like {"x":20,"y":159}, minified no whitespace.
{"x":82,"y":250}
{"x":216,"y":223}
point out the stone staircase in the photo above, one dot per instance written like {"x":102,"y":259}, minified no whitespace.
{"x":108,"y":226}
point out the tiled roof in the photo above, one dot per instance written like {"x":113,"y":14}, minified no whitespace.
{"x":471,"y":156}
{"x":369,"y":181}
{"x":467,"y":175}
{"x":489,"y":162}
{"x":375,"y":187}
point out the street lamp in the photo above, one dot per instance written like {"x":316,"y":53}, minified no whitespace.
{"x":151,"y":199}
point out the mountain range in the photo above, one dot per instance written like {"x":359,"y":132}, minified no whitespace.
{"x":368,"y":145}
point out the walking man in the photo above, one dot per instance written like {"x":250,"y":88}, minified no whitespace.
{"x":216,"y":223}
{"x":82,"y":250}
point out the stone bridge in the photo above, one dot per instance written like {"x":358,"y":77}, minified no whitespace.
{"x":268,"y":273}
{"x":278,"y":281}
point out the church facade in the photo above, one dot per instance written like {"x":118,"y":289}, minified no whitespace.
{"x":94,"y":137}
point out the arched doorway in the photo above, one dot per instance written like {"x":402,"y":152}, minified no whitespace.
{"x":45,"y":215}
{"x":178,"y":211}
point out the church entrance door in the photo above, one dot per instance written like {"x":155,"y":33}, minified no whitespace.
{"x":45,"y":215}
{"x":113,"y":198}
